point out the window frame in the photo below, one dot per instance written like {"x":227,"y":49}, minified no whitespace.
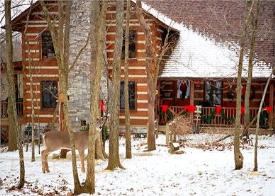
{"x":42,"y":46}
{"x":53,"y":105}
{"x":134,"y":42}
{"x":135,"y":93}
{"x":211,"y":86}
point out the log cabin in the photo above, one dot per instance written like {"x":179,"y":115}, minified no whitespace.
{"x":40,"y":70}
{"x":199,"y":74}
{"x":199,"y":70}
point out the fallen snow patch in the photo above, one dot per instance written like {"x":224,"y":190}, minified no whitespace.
{"x":196,"y":172}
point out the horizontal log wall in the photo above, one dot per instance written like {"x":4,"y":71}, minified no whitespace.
{"x":36,"y":67}
{"x":137,"y":65}
{"x":46,"y":69}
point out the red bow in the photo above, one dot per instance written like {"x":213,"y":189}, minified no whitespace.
{"x":242,"y":110}
{"x":268,"y":109}
{"x":102,"y":106}
{"x":218,"y":109}
{"x":164,"y":108}
{"x":190,"y":108}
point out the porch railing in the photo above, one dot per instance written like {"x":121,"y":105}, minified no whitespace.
{"x":209,"y":117}
{"x":4,"y":109}
{"x":225,"y":118}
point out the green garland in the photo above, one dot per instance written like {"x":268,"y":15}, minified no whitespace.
{"x":208,"y":118}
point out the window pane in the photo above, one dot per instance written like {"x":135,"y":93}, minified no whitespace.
{"x":132,"y":45}
{"x":49,"y":94}
{"x":132,"y":95}
{"x":47,"y":45}
{"x":217,"y":98}
{"x":122,"y":96}
{"x":213,"y":93}
{"x":207,"y":91}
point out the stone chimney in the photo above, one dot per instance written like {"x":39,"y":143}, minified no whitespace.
{"x":79,"y":81}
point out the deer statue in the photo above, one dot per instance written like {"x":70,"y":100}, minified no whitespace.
{"x":56,"y":140}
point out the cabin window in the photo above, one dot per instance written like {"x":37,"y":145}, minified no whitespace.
{"x":49,"y":94}
{"x":47,"y":45}
{"x":132,"y":95}
{"x":213,"y":93}
{"x":132,"y":44}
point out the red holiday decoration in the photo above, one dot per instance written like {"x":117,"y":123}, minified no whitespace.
{"x":190,"y":108}
{"x":102,"y":106}
{"x":242,"y":110}
{"x":268,"y":109}
{"x":218,"y":109}
{"x":197,"y":83}
{"x":164,"y":108}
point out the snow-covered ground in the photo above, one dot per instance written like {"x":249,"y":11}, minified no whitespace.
{"x":196,"y":172}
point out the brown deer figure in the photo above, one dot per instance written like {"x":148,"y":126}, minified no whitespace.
{"x":56,"y":140}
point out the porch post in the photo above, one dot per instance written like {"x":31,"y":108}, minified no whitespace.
{"x":271,"y":103}
{"x":157,"y":107}
{"x":60,"y":115}
{"x":192,"y":99}
{"x":192,"y":93}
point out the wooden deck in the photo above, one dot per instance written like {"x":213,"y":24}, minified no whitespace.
{"x":210,"y":117}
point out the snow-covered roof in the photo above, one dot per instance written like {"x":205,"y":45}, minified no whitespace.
{"x":197,"y":56}
{"x":161,"y":17}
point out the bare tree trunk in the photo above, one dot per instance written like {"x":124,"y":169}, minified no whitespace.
{"x":238,"y":157}
{"x":253,"y":24}
{"x":32,"y":115}
{"x":60,"y":39}
{"x":12,"y":114}
{"x":99,"y":153}
{"x":30,"y":63}
{"x":32,"y":95}
{"x":151,"y":114}
{"x":13,"y":121}
{"x":237,"y":153}
{"x":113,"y":160}
{"x":64,"y":72}
{"x":97,"y":42}
{"x":126,"y":83}
{"x":99,"y":147}
{"x":152,"y":69}
{"x":258,"y":124}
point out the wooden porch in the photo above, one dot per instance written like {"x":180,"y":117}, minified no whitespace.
{"x":211,"y":117}
{"x":219,"y":114}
